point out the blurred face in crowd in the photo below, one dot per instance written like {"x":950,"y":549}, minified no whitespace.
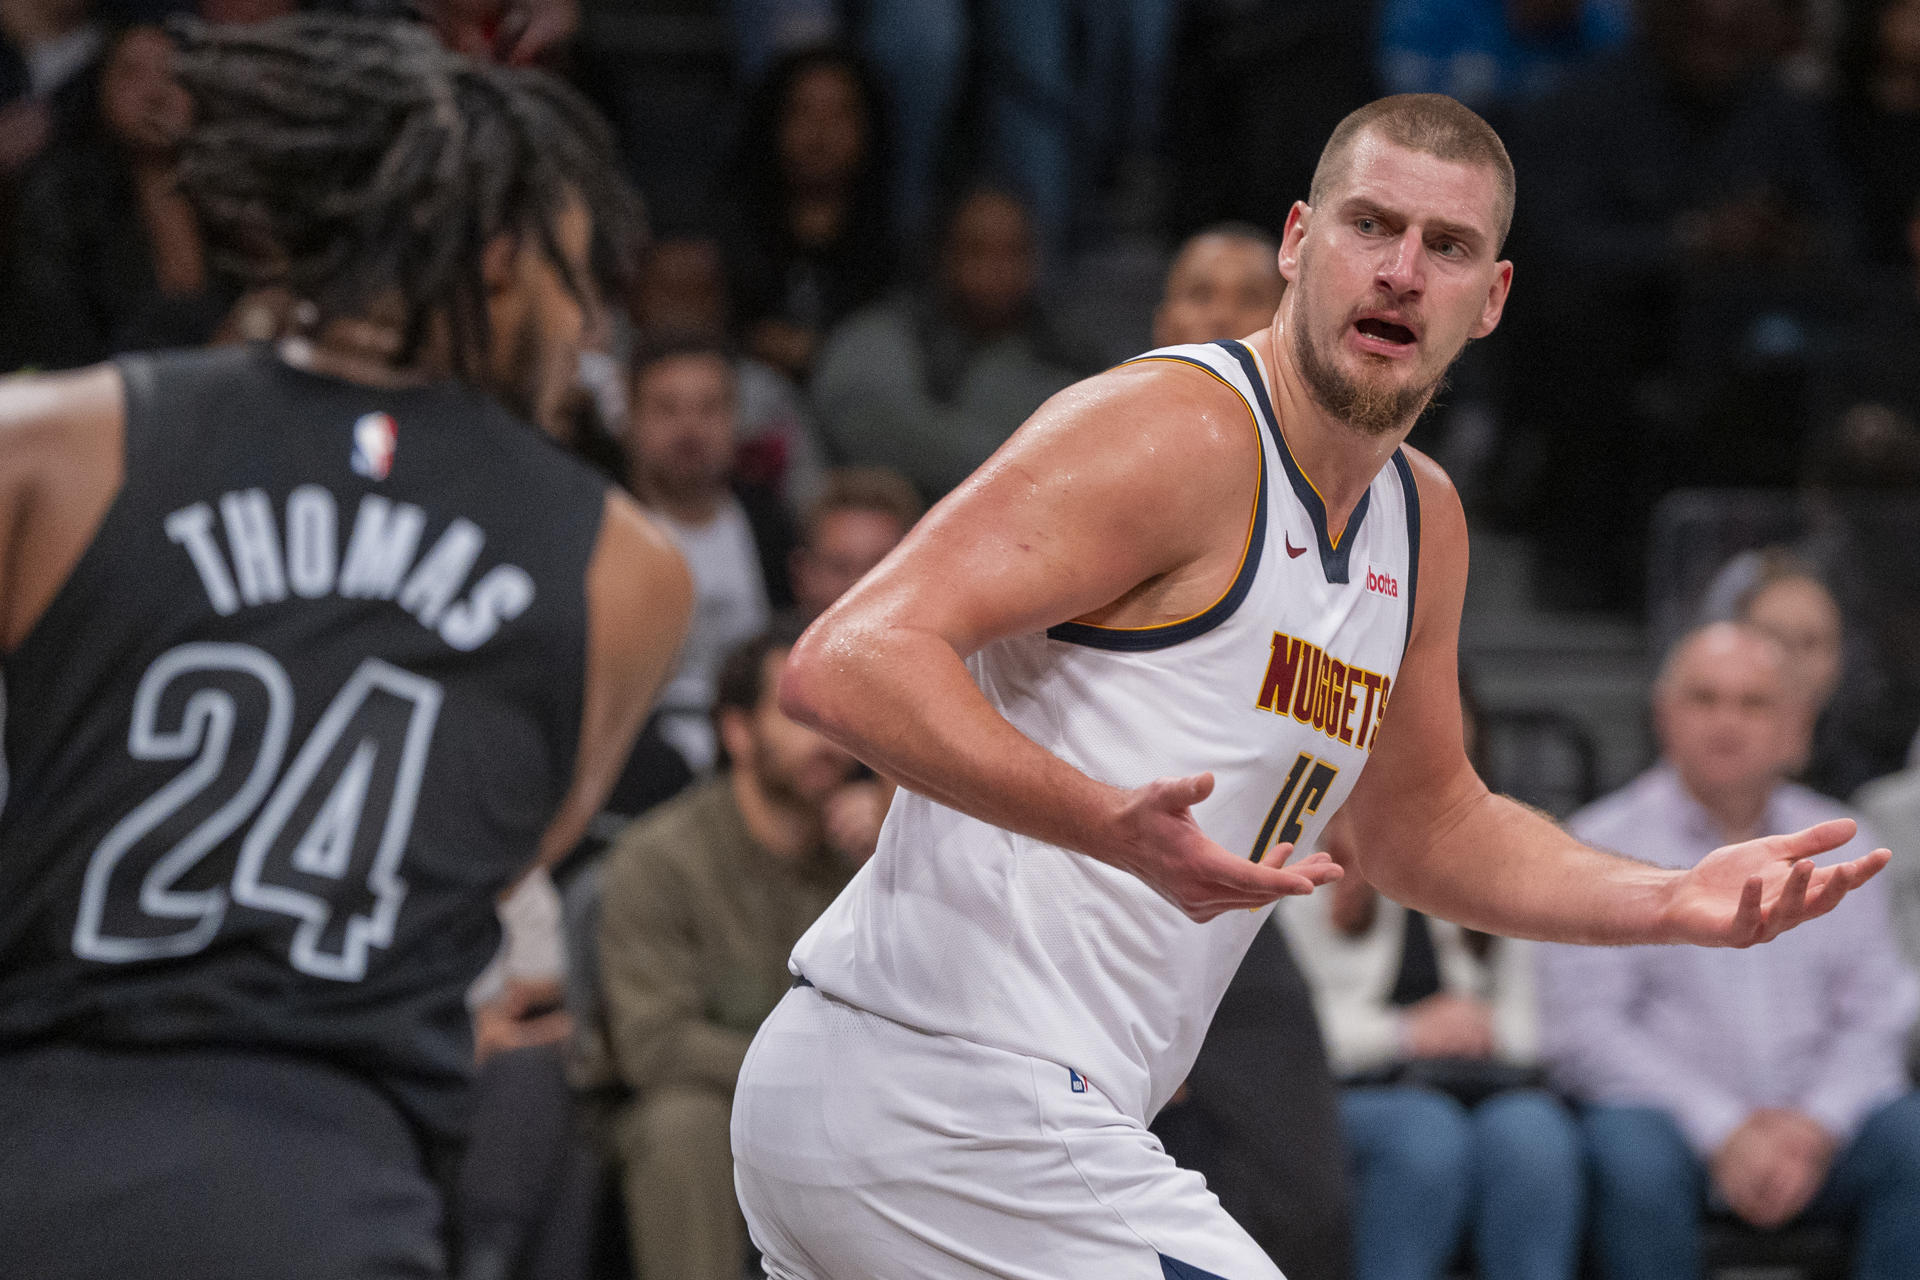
{"x":1389,"y":277}
{"x":536,"y":324}
{"x":1221,"y":286}
{"x":1709,"y":47}
{"x":1726,"y":722}
{"x":680,"y":290}
{"x":1898,"y":36}
{"x":224,"y":11}
{"x":141,"y":103}
{"x":1800,"y":616}
{"x":681,"y":426}
{"x":823,"y":129}
{"x":988,"y":262}
{"x":791,"y":764}
{"x":844,"y":544}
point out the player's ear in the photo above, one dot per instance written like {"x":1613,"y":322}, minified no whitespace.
{"x":1496,"y":303}
{"x":1290,"y":238}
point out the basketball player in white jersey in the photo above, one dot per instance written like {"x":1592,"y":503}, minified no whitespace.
{"x":1193,"y":608}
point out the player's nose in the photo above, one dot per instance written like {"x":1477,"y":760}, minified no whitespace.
{"x":1402,"y":269}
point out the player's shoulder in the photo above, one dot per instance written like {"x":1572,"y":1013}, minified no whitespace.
{"x":53,"y":424}
{"x":1434,"y":486}
{"x":1172,"y":403}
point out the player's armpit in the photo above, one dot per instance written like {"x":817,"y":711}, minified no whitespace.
{"x":639,"y":599}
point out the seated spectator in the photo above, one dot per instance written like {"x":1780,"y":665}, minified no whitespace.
{"x":931,"y":383}
{"x":806,"y":232}
{"x":1892,"y":805}
{"x":680,"y":294}
{"x":108,"y":253}
{"x":46,"y":46}
{"x":1225,"y":282}
{"x":680,"y":446}
{"x":1493,"y":53}
{"x":1877,"y":124}
{"x":1433,"y":1032}
{"x":860,"y":515}
{"x":1257,"y":1116}
{"x":702,"y":902}
{"x":1767,"y":1082}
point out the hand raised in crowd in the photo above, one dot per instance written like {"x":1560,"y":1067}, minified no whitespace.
{"x":1769,"y":1169}
{"x":1741,"y":894}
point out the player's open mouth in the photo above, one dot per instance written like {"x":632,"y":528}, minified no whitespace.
{"x":1386,"y":331}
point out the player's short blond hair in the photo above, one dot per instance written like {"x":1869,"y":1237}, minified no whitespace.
{"x":1427,"y":122}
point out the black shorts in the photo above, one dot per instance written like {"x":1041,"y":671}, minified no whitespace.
{"x":207,"y":1165}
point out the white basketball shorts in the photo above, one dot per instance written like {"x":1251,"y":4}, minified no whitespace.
{"x":865,"y":1150}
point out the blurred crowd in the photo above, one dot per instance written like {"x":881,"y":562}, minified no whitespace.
{"x":883,"y":233}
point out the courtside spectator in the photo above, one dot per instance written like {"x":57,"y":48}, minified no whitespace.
{"x":702,"y":901}
{"x":680,"y":448}
{"x":1892,"y":805}
{"x":860,"y":515}
{"x":1769,"y":1081}
{"x":1433,"y":1032}
{"x":1225,"y":282}
{"x":933,"y":381}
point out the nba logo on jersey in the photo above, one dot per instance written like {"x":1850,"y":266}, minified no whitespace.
{"x":374,"y":437}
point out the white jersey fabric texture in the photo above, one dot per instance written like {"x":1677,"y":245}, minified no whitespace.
{"x":958,"y":928}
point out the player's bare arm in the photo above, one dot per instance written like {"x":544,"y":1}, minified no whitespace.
{"x":1124,"y":501}
{"x":639,"y":599}
{"x":61,"y":462}
{"x":1430,"y":834}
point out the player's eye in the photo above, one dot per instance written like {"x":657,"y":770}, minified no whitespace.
{"x":1449,"y":248}
{"x":1366,"y":226}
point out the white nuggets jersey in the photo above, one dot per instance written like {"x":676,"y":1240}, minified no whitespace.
{"x":960,"y":928}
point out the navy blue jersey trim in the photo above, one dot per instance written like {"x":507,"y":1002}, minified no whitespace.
{"x":1174,"y":1269}
{"x":1333,"y":559}
{"x":1412,"y":492}
{"x":1145,"y":639}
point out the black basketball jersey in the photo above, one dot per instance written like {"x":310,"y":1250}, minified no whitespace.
{"x":305,"y":705}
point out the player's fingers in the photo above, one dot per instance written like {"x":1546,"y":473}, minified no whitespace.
{"x":1817,"y":839}
{"x":1790,"y":907}
{"x":1186,"y":792}
{"x":1831,"y":884}
{"x":1747,"y":919}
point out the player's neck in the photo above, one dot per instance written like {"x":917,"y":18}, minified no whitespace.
{"x":1339,"y":461}
{"x":788,"y":831}
{"x":368,"y":349}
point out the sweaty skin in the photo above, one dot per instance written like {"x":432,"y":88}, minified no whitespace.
{"x":1125,"y":501}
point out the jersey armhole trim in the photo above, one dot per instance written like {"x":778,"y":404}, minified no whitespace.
{"x":1411,"y":491}
{"x":1334,"y":555}
{"x":1167,"y":634}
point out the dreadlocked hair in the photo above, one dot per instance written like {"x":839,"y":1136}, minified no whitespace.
{"x":347,"y":158}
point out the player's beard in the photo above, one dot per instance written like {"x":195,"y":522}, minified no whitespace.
{"x":1368,"y":407}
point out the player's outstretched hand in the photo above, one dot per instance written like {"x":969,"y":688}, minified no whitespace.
{"x":1158,"y":841}
{"x":1752,"y":892}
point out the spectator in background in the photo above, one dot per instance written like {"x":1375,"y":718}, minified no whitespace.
{"x":45,"y":47}
{"x":108,"y":255}
{"x":1877,"y":121}
{"x":1681,"y":198}
{"x":680,"y":293}
{"x":860,"y":515}
{"x":1257,"y":1117}
{"x":1768,"y":1080}
{"x":680,"y":443}
{"x":1491,"y":54}
{"x":1433,"y":1032}
{"x":931,"y":382}
{"x":806,"y":229}
{"x":1225,"y":282}
{"x":702,"y":902}
{"x":1892,"y":805}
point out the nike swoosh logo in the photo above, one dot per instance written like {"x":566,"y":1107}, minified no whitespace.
{"x":1295,"y":552}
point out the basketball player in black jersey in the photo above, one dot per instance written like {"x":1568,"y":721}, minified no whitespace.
{"x":309,"y":651}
